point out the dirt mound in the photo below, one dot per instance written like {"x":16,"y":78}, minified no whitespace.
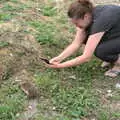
{"x":18,"y":51}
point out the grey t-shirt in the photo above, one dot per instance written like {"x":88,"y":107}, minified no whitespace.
{"x":106,"y":19}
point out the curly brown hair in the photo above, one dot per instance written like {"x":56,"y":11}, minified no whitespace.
{"x":79,"y":8}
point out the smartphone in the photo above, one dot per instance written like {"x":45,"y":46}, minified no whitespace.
{"x":45,"y":60}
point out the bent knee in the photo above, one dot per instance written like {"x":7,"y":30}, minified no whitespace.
{"x":99,"y":53}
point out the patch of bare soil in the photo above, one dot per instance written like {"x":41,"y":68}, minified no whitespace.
{"x":20,"y":57}
{"x":21,"y":53}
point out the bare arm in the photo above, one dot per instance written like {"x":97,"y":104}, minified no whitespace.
{"x":92,"y":42}
{"x":79,"y":38}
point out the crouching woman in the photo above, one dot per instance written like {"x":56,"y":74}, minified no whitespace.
{"x":98,"y":28}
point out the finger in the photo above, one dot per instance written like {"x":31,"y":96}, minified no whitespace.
{"x":55,"y":59}
{"x":53,"y":66}
{"x":52,"y":61}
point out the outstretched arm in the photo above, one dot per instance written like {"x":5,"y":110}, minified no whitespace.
{"x":79,"y":38}
{"x":92,"y":42}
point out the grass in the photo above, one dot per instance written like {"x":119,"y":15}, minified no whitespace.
{"x":12,"y":100}
{"x":11,"y":8}
{"x":5,"y":17}
{"x":74,"y":103}
{"x":71,"y":92}
{"x":49,"y":11}
{"x":3,"y":44}
{"x":103,"y":115}
{"x":68,"y":94}
{"x":46,"y":32}
{"x":117,"y":114}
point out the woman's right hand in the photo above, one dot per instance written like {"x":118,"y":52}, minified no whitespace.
{"x":55,"y":60}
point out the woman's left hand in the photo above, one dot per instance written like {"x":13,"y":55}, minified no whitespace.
{"x":54,"y":65}
{"x":74,"y":62}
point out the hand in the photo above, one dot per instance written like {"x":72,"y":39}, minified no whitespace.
{"x":54,"y":65}
{"x":55,"y":60}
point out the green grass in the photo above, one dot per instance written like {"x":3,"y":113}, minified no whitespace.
{"x":12,"y":101}
{"x":9,"y":8}
{"x":47,"y":33}
{"x":72,"y":97}
{"x":59,"y":117}
{"x":5,"y":17}
{"x":3,"y":44}
{"x":71,"y":91}
{"x":75,"y":102}
{"x":49,"y":11}
{"x":14,"y":1}
{"x":103,"y":116}
{"x":116,"y":114}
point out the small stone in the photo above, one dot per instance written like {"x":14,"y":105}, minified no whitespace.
{"x":18,"y":114}
{"x":93,"y":119}
{"x":38,"y":9}
{"x":30,"y":107}
{"x":72,"y":77}
{"x":17,"y":80}
{"x":11,"y":54}
{"x":54,"y":108}
{"x":118,"y":85}
{"x":109,"y":91}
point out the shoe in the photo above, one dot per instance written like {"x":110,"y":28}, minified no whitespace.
{"x":112,"y":73}
{"x":115,"y":71}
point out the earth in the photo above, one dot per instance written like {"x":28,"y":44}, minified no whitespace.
{"x":20,"y":52}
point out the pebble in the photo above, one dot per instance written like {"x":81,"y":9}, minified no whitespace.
{"x":109,"y":91}
{"x":11,"y":54}
{"x":18,"y":114}
{"x":54,"y":108}
{"x":118,"y":85}
{"x":72,"y":77}
{"x":30,"y":107}
{"x":93,"y":119}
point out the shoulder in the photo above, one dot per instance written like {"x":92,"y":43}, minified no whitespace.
{"x":104,"y":18}
{"x":106,"y":10}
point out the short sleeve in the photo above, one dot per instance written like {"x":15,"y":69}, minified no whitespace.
{"x":105,"y":21}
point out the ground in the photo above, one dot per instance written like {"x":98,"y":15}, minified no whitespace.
{"x":29,"y":30}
